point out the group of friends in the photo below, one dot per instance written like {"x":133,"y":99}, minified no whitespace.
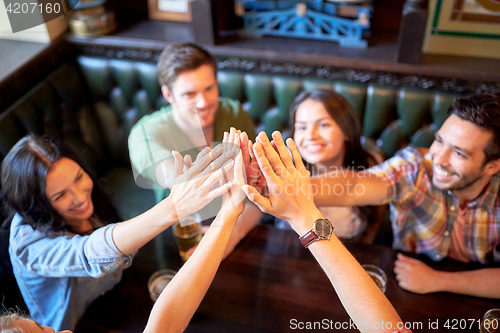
{"x":67,"y":248}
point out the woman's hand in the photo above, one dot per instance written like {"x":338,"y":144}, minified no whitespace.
{"x":192,"y":186}
{"x":254,"y":176}
{"x":233,"y":200}
{"x":290,"y":197}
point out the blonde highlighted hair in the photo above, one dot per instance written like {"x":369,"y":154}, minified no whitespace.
{"x":7,"y":319}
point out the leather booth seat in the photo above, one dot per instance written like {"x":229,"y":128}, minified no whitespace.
{"x":391,"y":117}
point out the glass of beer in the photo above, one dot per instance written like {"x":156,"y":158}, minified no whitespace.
{"x":491,"y":322}
{"x":378,"y":275}
{"x":158,"y":281}
{"x":187,"y":234}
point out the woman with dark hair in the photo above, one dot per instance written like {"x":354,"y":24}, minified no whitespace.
{"x":64,"y":247}
{"x":328,"y":137}
{"x":28,"y":161}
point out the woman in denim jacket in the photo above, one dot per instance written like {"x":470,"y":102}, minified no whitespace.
{"x":64,"y":250}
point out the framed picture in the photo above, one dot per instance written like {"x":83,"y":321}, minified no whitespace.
{"x":463,"y":28}
{"x":170,"y":10}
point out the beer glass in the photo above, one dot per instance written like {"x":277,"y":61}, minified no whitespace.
{"x":186,"y":236}
{"x":491,"y":322}
{"x":158,"y":281}
{"x":378,"y":275}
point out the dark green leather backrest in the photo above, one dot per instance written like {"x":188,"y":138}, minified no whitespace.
{"x":58,"y":106}
{"x":390,"y":116}
{"x":123,"y":91}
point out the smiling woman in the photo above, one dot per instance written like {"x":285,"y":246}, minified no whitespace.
{"x":64,"y":247}
{"x":61,"y":270}
{"x":50,"y":198}
{"x":69,"y":190}
{"x":328,"y":137}
{"x":43,"y":173}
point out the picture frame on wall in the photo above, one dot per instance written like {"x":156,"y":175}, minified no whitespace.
{"x":463,"y":28}
{"x":170,"y":10}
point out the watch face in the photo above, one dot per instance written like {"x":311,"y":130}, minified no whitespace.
{"x":323,"y":229}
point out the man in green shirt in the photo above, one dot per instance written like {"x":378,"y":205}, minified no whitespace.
{"x":196,"y":117}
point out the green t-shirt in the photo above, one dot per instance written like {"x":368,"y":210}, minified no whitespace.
{"x":154,"y":136}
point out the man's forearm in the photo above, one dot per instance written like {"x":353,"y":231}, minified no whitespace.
{"x":348,"y":188}
{"x":479,"y":283}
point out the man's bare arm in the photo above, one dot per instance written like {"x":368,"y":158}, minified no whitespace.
{"x":416,"y":276}
{"x":348,"y":188}
{"x":479,"y":283}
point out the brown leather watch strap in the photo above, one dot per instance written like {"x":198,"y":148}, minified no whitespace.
{"x":308,"y":238}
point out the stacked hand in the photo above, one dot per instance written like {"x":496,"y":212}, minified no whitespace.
{"x":234,"y":179}
{"x":234,"y":199}
{"x":193,"y":182}
{"x":254,"y":175}
{"x":288,"y":182}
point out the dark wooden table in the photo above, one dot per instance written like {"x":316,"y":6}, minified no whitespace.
{"x":270,"y":283}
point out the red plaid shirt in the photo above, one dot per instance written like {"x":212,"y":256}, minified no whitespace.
{"x":423,"y":216}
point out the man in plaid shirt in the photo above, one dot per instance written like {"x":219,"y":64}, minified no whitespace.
{"x":444,"y":200}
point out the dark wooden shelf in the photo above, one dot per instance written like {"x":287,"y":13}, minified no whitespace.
{"x":379,"y":56}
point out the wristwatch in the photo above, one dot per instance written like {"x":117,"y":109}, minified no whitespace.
{"x":321,"y":229}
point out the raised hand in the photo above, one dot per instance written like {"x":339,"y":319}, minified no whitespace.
{"x":193,"y":182}
{"x":287,"y":179}
{"x":252,"y":170}
{"x":234,"y":199}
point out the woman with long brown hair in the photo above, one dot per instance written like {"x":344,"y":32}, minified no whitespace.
{"x":328,"y":137}
{"x":65,"y":246}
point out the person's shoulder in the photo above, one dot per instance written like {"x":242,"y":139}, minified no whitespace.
{"x":229,"y":105}
{"x":408,"y":158}
{"x":22,"y":233}
{"x":413,"y":154}
{"x":17,"y":221}
{"x":419,"y":158}
{"x":20,"y":226}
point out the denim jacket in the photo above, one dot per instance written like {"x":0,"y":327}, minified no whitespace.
{"x":60,"y":274}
